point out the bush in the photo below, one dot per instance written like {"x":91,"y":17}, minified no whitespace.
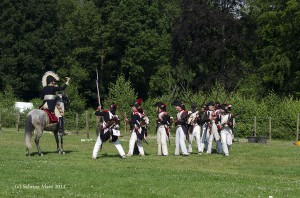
{"x":122,"y":94}
{"x":283,"y":111}
{"x":7,"y":110}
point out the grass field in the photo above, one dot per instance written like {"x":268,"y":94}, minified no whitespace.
{"x":252,"y":170}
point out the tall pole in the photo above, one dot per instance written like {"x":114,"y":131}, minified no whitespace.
{"x":254,"y":126}
{"x":87,"y":125}
{"x":270,"y":129}
{"x":77,"y":123}
{"x":297,"y":132}
{"x":0,"y":122}
{"x":18,"y":121}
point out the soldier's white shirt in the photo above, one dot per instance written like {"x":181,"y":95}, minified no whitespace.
{"x":179,"y":114}
{"x":224,"y":119}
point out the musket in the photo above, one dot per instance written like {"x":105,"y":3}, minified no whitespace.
{"x":98,"y":94}
{"x":145,"y":141}
{"x":124,"y":115}
{"x":169,"y":123}
{"x":141,"y":128}
{"x":168,"y":135}
{"x":167,"y":128}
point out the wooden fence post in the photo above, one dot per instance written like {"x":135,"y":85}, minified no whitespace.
{"x":125,"y":124}
{"x":254,"y":126}
{"x":87,"y":125}
{"x":297,"y":132}
{"x":18,"y":121}
{"x":270,"y":129}
{"x":76,"y":124}
{"x":0,"y":122}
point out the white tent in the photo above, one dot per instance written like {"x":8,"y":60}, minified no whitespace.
{"x":22,"y":106}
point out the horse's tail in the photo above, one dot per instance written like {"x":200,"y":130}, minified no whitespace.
{"x":28,"y":130}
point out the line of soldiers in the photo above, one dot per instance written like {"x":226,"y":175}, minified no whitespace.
{"x":212,"y":122}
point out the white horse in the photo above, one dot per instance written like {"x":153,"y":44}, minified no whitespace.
{"x":38,"y":120}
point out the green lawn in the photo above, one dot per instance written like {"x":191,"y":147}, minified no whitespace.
{"x":252,"y":170}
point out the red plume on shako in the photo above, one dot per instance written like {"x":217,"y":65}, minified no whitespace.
{"x":139,"y":101}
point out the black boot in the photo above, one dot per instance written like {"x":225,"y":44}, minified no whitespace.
{"x":61,"y":129}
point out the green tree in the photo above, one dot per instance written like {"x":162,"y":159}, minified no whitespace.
{"x":121,"y":93}
{"x":278,"y":51}
{"x":137,"y":39}
{"x":7,"y":99}
{"x":79,"y":40}
{"x":210,"y":41}
{"x":26,"y":44}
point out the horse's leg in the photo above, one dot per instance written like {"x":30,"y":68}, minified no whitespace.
{"x":61,"y":145}
{"x":28,"y":146}
{"x":28,"y":133}
{"x":37,"y":141}
{"x":57,"y":141}
{"x":27,"y":151}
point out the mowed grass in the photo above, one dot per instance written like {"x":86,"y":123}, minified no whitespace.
{"x":252,"y":170}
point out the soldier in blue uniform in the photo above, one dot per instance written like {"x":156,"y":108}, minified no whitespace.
{"x":181,"y":128}
{"x":162,"y":128}
{"x":137,"y":134}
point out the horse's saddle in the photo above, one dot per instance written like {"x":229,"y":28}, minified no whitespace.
{"x":52,"y":117}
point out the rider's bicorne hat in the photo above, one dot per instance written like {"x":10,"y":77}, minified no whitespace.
{"x":48,"y":77}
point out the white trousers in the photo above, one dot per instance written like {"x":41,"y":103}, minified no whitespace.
{"x":98,"y":144}
{"x":213,"y":134}
{"x":180,"y":142}
{"x":133,"y":139}
{"x":56,"y":111}
{"x":204,"y":138}
{"x":195,"y":134}
{"x":226,"y":139}
{"x":162,"y":141}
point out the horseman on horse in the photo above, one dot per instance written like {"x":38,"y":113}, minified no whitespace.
{"x":52,"y":102}
{"x":51,"y":111}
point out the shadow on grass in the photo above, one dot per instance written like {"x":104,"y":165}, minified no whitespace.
{"x":109,"y":155}
{"x":115,"y":155}
{"x":46,"y":153}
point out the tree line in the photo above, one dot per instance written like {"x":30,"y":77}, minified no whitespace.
{"x":162,"y":47}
